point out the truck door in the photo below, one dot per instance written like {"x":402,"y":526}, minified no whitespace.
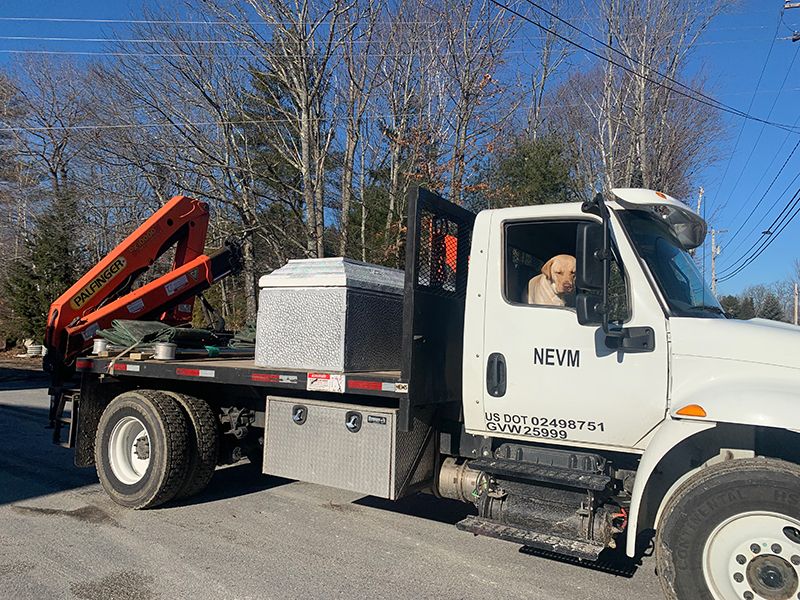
{"x":549,"y":379}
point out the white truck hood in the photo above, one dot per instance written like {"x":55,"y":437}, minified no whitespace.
{"x":754,"y":341}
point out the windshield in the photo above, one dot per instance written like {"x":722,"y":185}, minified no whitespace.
{"x":674,"y":269}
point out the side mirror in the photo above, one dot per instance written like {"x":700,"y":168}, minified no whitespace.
{"x":590,"y":264}
{"x":589,"y":308}
{"x":589,"y":272}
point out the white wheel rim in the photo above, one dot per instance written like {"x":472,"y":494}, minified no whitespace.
{"x":129,"y":450}
{"x":754,"y":555}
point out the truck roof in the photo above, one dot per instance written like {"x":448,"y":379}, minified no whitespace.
{"x":689,"y":227}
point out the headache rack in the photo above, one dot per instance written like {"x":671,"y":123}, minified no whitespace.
{"x":437,"y":258}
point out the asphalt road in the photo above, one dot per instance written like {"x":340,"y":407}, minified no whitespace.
{"x":248,"y":536}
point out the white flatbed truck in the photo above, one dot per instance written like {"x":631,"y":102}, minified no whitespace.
{"x":571,"y":430}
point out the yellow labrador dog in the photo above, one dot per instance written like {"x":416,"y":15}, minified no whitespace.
{"x":556,"y":283}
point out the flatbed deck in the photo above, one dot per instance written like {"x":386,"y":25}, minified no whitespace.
{"x":243,"y":371}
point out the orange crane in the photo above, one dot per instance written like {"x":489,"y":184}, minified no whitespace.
{"x":106,"y":291}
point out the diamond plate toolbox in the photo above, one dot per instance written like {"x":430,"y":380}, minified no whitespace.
{"x":348,"y":446}
{"x":330,"y":314}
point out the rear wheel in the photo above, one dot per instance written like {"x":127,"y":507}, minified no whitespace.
{"x":203,"y":444}
{"x":141,"y":448}
{"x":732,"y":532}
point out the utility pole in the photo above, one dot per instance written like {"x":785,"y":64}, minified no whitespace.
{"x":715,"y":250}
{"x":795,"y":302}
{"x":699,"y":205}
{"x":788,"y":4}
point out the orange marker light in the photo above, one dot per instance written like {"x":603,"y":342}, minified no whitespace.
{"x":661,"y":195}
{"x":691,"y":410}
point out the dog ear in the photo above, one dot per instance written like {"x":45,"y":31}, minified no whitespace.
{"x":547,"y":268}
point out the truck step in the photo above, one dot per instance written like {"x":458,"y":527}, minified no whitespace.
{"x":72,"y":397}
{"x":544,"y":473}
{"x":583,"y":550}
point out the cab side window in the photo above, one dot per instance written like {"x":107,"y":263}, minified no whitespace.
{"x":540,"y":267}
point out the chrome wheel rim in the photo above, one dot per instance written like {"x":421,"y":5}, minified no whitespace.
{"x":129,"y":450}
{"x":754,"y":555}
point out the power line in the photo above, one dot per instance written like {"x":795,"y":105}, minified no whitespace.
{"x":713,"y":103}
{"x":34,"y":38}
{"x":770,"y":234}
{"x":758,"y":139}
{"x":99,"y":40}
{"x":763,"y":196}
{"x":772,"y":237}
{"x":215,"y":23}
{"x":749,"y":106}
{"x":184,"y":122}
{"x":118,"y":21}
{"x":121,"y":53}
{"x":625,"y":54}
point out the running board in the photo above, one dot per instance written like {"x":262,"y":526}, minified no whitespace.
{"x":583,"y":550}
{"x":546,"y":474}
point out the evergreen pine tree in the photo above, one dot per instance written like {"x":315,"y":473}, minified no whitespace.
{"x":771,"y":308}
{"x":50,"y":268}
{"x":731,"y":306}
{"x":747,"y":309}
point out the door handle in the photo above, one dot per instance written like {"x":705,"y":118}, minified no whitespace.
{"x":496,"y":375}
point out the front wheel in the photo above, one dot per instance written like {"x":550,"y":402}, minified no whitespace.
{"x":732,"y":532}
{"x":141,"y":448}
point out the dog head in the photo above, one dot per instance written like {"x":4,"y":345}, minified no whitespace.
{"x":560,"y":272}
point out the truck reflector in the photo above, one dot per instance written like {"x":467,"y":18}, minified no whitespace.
{"x":194,"y":372}
{"x":363,"y":384}
{"x":360,"y":384}
{"x":273,"y":377}
{"x":83,"y":364}
{"x":126,"y":367}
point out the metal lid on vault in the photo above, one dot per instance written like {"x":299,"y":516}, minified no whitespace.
{"x":335,"y":272}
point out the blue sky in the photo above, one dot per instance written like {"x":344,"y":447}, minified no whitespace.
{"x":731,"y":54}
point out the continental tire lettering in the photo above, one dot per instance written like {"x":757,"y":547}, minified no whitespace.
{"x":557,"y":357}
{"x":98,"y":283}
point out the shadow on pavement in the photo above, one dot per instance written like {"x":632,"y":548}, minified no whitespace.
{"x":30,"y":465}
{"x":424,"y":506}
{"x":237,"y":480}
{"x":12,"y":378}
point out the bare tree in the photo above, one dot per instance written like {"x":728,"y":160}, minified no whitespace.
{"x":405,"y":106}
{"x":474,"y":37}
{"x":298,"y":52}
{"x":54,"y":104}
{"x":178,"y":110}
{"x":548,"y":57}
{"x":361,"y":72}
{"x":628,"y":127}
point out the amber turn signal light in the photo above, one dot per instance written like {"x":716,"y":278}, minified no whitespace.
{"x":691,"y":410}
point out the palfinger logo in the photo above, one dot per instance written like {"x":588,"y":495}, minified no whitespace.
{"x":98,"y":283}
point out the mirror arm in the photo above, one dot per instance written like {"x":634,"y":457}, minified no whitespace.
{"x":598,"y":206}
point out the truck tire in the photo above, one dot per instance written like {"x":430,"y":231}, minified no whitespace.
{"x":203,"y":444}
{"x":141,"y":448}
{"x":732,"y":532}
